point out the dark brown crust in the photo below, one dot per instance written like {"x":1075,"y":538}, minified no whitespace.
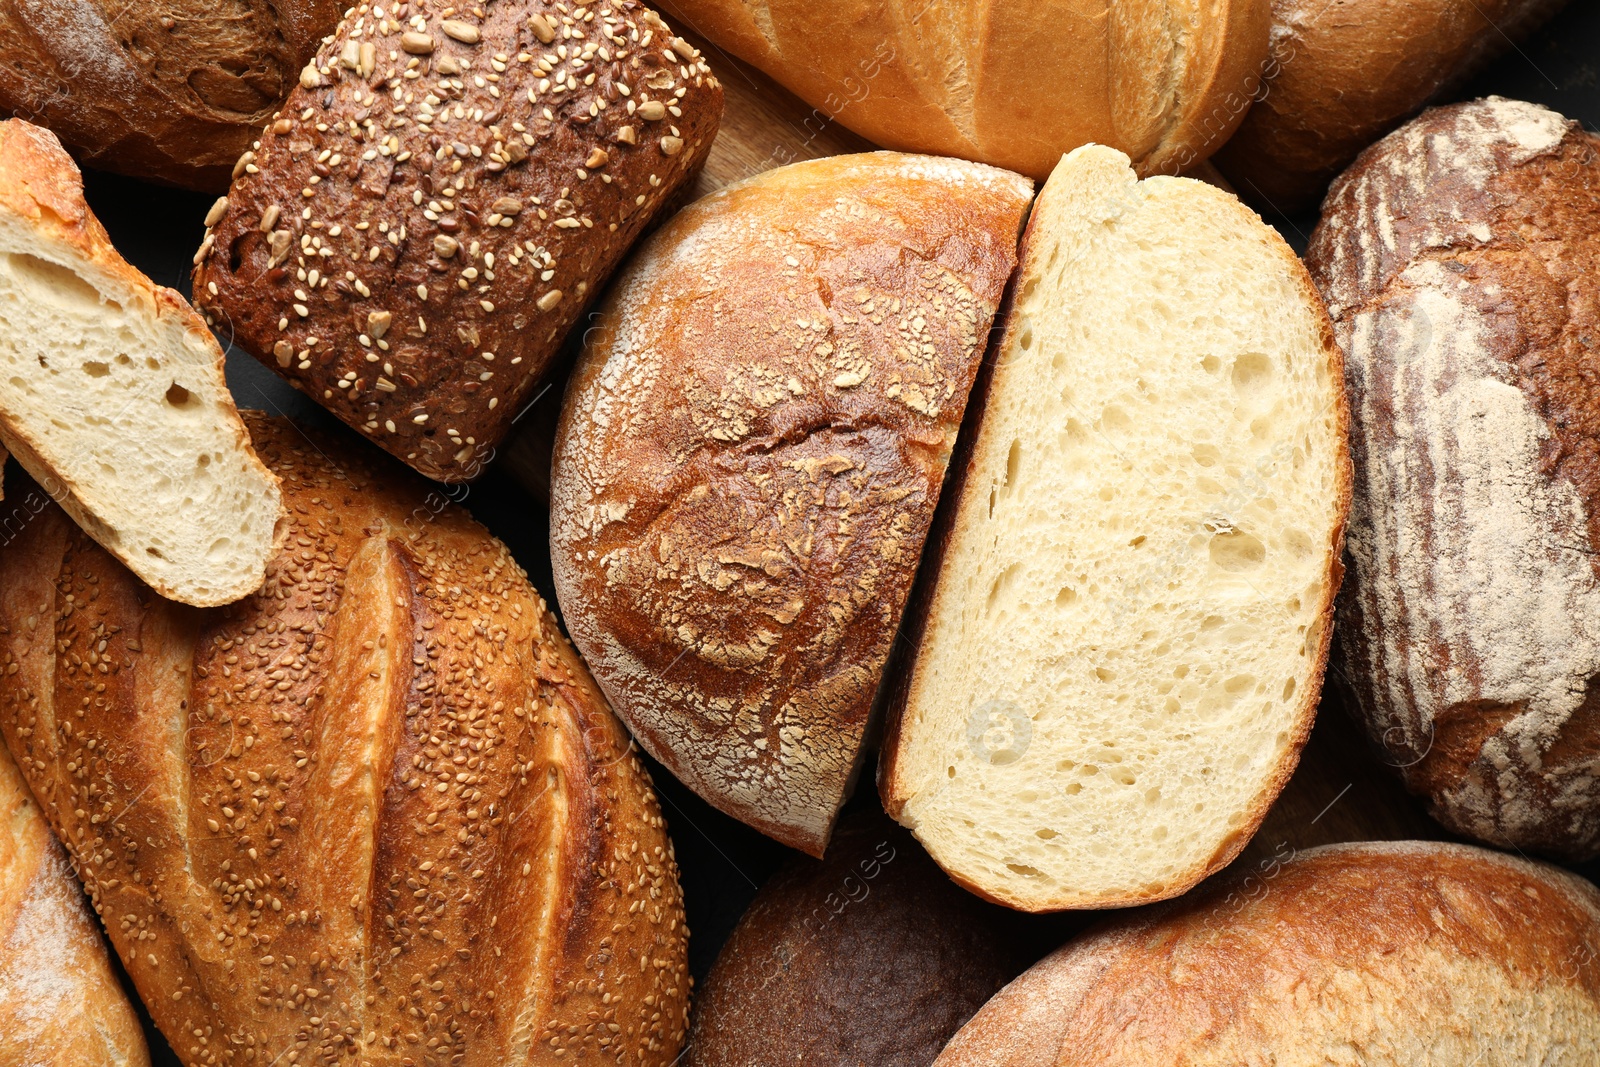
{"x":377,"y":810}
{"x":435,"y":316}
{"x":1296,"y":962}
{"x":171,"y":90}
{"x":868,"y":956}
{"x":1517,"y":233}
{"x":734,"y":533}
{"x":920,"y":607}
{"x":1346,"y":72}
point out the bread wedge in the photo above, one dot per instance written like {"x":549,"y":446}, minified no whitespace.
{"x":112,"y":394}
{"x":1119,"y":655}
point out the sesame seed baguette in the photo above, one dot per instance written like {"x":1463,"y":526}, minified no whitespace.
{"x":749,"y":455}
{"x":416,"y":231}
{"x":61,"y":1004}
{"x":1011,"y":84}
{"x":377,"y":812}
{"x":1378,"y":954}
{"x":112,"y":393}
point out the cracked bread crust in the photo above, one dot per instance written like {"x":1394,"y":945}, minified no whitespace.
{"x":416,"y":231}
{"x":1457,"y":257}
{"x":748,"y":459}
{"x":377,"y":812}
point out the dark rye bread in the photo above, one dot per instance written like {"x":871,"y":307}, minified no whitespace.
{"x":169,"y":90}
{"x":749,"y":455}
{"x":1342,"y":73}
{"x":868,"y":956}
{"x":1379,"y":954}
{"x":411,"y":239}
{"x":375,"y":813}
{"x":1458,"y":257}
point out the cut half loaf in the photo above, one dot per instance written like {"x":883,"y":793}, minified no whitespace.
{"x":1120,"y":655}
{"x":112,"y":394}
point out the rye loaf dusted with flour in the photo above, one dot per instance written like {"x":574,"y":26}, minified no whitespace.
{"x":1458,"y":258}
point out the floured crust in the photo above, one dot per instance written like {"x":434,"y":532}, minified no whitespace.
{"x":378,"y":810}
{"x":442,"y":195}
{"x":1381,"y":954}
{"x":1455,"y":257}
{"x":749,"y":455}
{"x":1015,"y":85}
{"x":61,"y":1004}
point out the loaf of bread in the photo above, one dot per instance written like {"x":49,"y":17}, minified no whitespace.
{"x":1388,"y":954}
{"x":1010,"y":84}
{"x":749,"y":455}
{"x":869,"y":956}
{"x":1121,"y":647}
{"x":1458,"y":258}
{"x":60,"y":1002}
{"x":1343,"y":74}
{"x":170,"y":90}
{"x":413,"y":236}
{"x":112,"y":393}
{"x":376,"y":812}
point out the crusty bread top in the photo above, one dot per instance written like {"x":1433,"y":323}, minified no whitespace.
{"x":749,"y":455}
{"x":113,"y":395}
{"x":1387,"y":954}
{"x":1013,"y":84}
{"x":377,"y":808}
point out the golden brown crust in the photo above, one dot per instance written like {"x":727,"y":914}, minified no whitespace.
{"x":750,"y":453}
{"x":414,"y":235}
{"x":1408,"y":952}
{"x":1454,"y":255}
{"x":1014,"y":85}
{"x":377,"y":810}
{"x":869,"y":956}
{"x":1343,"y":74}
{"x":171,"y":91}
{"x":61,"y":1004}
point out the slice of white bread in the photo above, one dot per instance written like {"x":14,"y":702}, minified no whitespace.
{"x":112,"y":393}
{"x":1119,"y":658}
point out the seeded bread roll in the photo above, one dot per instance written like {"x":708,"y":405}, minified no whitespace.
{"x":169,"y":90}
{"x":61,"y":1004}
{"x":1344,"y":73}
{"x":749,"y":455}
{"x":1458,"y":257}
{"x":1393,"y":954}
{"x":376,"y":812}
{"x":869,"y":956}
{"x":413,"y":236}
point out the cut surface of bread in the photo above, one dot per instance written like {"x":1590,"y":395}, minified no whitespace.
{"x":112,"y":393}
{"x":1120,"y":656}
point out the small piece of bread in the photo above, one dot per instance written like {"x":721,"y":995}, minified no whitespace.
{"x":112,"y":394}
{"x":1380,"y":954}
{"x":1121,"y":654}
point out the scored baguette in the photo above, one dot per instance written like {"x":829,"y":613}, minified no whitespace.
{"x":1121,"y":650}
{"x":1380,"y":954}
{"x":112,"y":393}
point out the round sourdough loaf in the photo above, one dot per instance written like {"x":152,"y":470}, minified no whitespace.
{"x":1013,"y":84}
{"x":170,"y":90}
{"x":1458,"y":258}
{"x":748,"y":459}
{"x":61,"y":1004}
{"x":413,"y":236}
{"x":1344,"y":73}
{"x":868,"y":956}
{"x":376,"y":812}
{"x":1391,"y":954}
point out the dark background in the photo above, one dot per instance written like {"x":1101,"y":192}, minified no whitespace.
{"x":722,"y":861}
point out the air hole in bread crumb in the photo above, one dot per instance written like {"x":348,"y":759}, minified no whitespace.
{"x":1137,"y":541}
{"x":1288,"y":688}
{"x":1066,"y":596}
{"x":1104,"y":675}
{"x":1251,"y":371}
{"x":1207,"y":455}
{"x":1024,"y":870}
{"x":1211,"y":364}
{"x":1236,"y":551}
{"x":1025,"y":338}
{"x":178,"y":396}
{"x":1013,"y":463}
{"x":1046,"y":834}
{"x":95,"y":369}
